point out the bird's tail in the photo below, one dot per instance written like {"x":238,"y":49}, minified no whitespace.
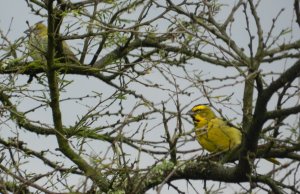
{"x":273,"y":160}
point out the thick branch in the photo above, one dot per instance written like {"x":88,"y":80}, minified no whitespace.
{"x":283,"y":112}
{"x":297,"y":11}
{"x":283,"y":47}
{"x":56,"y":113}
{"x":259,"y":117}
{"x":190,"y":170}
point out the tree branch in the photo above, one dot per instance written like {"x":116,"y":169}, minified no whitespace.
{"x":282,"y":113}
{"x":252,"y":134}
{"x":64,"y":147}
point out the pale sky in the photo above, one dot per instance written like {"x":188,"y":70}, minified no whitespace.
{"x":16,"y":13}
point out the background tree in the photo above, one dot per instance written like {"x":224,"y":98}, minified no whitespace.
{"x":115,"y":122}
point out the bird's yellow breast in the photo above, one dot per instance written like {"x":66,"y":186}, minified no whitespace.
{"x":217,"y":136}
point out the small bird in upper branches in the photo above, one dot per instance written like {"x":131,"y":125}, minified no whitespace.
{"x":38,"y":44}
{"x":213,"y":133}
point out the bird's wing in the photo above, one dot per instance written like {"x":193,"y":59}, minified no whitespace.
{"x":233,"y":135}
{"x":221,"y":135}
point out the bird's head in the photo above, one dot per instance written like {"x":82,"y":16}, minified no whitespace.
{"x":38,"y":29}
{"x":201,"y":114}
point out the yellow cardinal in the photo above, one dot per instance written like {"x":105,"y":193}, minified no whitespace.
{"x":38,"y":44}
{"x":213,"y":133}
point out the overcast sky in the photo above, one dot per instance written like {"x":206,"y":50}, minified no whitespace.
{"x":16,"y":13}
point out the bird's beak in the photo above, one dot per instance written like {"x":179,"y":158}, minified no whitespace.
{"x":191,"y":113}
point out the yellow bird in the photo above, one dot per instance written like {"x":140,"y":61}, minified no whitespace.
{"x":38,"y":44}
{"x":213,"y":133}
